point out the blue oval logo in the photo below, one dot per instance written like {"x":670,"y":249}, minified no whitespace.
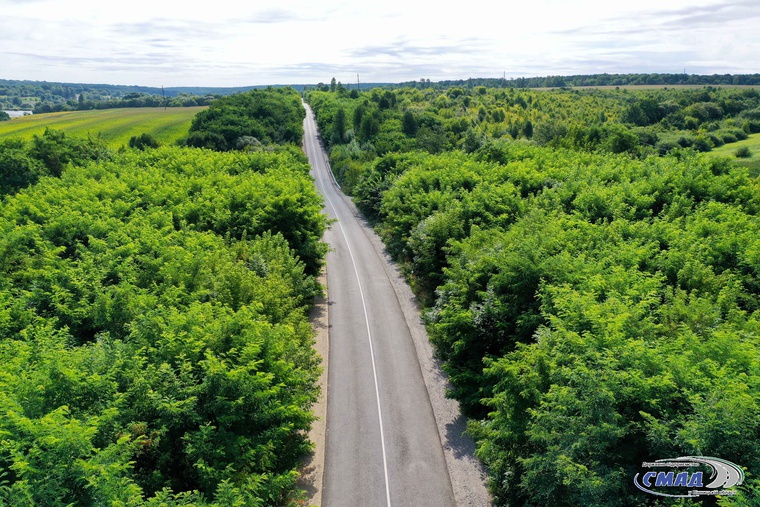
{"x":677,"y":477}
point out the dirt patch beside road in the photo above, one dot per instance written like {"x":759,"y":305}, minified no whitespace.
{"x":313,"y":465}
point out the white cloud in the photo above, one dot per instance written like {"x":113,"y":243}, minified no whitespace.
{"x":233,"y":43}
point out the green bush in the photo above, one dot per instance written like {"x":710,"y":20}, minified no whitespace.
{"x":702,"y":144}
{"x":715,"y":140}
{"x":751,"y":126}
{"x":272,"y":116}
{"x":743,"y":152}
{"x":143,"y":141}
{"x":55,"y":150}
{"x":728,"y":138}
{"x":736,"y":134}
{"x":17,"y":168}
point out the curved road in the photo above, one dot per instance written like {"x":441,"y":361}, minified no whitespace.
{"x":382,"y":443}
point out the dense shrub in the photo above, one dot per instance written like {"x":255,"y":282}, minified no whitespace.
{"x":743,"y":152}
{"x":153,"y":331}
{"x":143,"y":141}
{"x":271,"y":116}
{"x":579,"y":302}
{"x":17,"y":168}
{"x":593,"y":311}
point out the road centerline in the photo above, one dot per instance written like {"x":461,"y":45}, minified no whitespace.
{"x":371,"y":347}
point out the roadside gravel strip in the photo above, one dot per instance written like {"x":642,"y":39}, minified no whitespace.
{"x":313,"y":465}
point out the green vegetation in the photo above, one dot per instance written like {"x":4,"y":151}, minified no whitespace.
{"x":154,"y":336}
{"x":743,"y":152}
{"x":611,"y":80}
{"x":248,"y":120}
{"x":594,"y":298}
{"x":638,"y":122}
{"x":45,"y":97}
{"x":143,"y":141}
{"x":115,"y":126}
{"x":750,"y":145}
{"x":22,"y":164}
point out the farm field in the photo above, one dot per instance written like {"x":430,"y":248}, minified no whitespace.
{"x":116,"y":126}
{"x":753,"y":162}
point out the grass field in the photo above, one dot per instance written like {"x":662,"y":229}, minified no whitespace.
{"x":753,"y":162}
{"x":116,"y":126}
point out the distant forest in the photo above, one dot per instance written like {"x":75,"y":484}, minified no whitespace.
{"x":47,"y":97}
{"x":600,"y":80}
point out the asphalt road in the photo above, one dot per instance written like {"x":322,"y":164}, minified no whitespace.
{"x":382,"y":444}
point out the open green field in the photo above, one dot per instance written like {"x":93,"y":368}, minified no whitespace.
{"x":753,"y":162}
{"x":116,"y":126}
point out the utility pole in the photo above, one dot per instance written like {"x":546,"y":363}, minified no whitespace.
{"x":357,"y":82}
{"x":164,"y":96}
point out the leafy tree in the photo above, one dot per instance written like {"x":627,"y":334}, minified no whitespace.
{"x":273,"y":116}
{"x":369,"y":127}
{"x":339,"y":126}
{"x":55,"y":150}
{"x":528,"y":130}
{"x":17,"y":169}
{"x":143,"y":141}
{"x":409,"y":124}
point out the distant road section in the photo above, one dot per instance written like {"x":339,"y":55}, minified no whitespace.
{"x":383,"y":443}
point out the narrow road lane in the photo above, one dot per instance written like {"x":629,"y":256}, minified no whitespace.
{"x":382,"y":445}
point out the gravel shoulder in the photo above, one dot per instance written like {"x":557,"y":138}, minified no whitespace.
{"x":313,"y":465}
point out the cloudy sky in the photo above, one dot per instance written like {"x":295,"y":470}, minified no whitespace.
{"x":239,"y":43}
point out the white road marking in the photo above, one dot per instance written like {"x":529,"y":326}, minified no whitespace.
{"x":369,"y":338}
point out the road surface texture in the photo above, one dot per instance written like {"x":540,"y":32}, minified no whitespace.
{"x":392,"y":438}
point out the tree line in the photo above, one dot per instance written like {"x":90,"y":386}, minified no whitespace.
{"x":586,"y":80}
{"x":47,"y":97}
